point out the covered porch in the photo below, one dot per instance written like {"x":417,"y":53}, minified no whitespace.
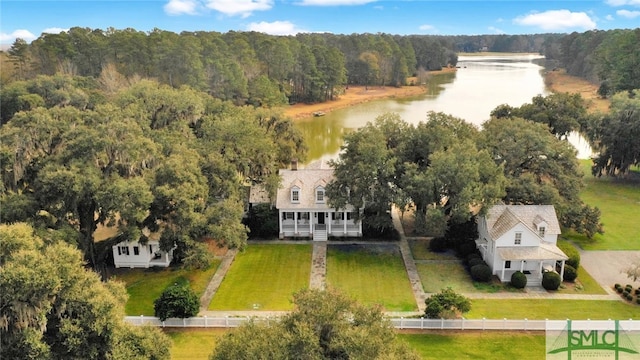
{"x":318,"y":225}
{"x":532,"y":261}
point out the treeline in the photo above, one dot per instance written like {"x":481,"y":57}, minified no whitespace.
{"x":251,"y":67}
{"x":610,"y":58}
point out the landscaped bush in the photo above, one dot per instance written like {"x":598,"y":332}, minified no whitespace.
{"x":629,"y":297}
{"x":628,"y":287}
{"x":637,"y":291}
{"x":551,"y":280}
{"x":262,"y":221}
{"x":476,"y":261}
{"x":570,"y":273}
{"x":481,"y":272}
{"x":438,"y":244}
{"x":472,"y":256}
{"x":571,"y":252}
{"x":177,"y":301}
{"x":465,"y":248}
{"x":518,"y":280}
{"x":617,"y":286}
{"x":619,"y":290}
{"x":625,"y":293}
{"x":446,"y":304}
{"x":638,"y":301}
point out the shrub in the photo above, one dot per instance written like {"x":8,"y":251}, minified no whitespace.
{"x":625,"y":293}
{"x":570,"y":273}
{"x":638,"y":301}
{"x":551,"y":280}
{"x":617,"y":286}
{"x":472,"y":256}
{"x":629,"y":297}
{"x":619,"y":290}
{"x":177,"y":301}
{"x":438,"y":244}
{"x":446,"y":304}
{"x":518,"y":280}
{"x":481,"y":272}
{"x":628,"y":287}
{"x":571,"y":252}
{"x":465,"y":248}
{"x":637,"y":291}
{"x":476,"y":261}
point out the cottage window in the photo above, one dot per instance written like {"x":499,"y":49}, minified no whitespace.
{"x":136,"y":250}
{"x":287,"y":216}
{"x":351,"y":216}
{"x":541,"y":231}
{"x":320,"y":195}
{"x":123,"y":250}
{"x":295,"y":195}
{"x":337,"y":216}
{"x":518,"y":239}
{"x":507,"y":264}
{"x":303,"y":216}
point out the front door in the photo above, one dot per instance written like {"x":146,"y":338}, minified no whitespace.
{"x":321,"y":218}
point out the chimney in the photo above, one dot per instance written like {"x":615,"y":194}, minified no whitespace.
{"x":294,"y":164}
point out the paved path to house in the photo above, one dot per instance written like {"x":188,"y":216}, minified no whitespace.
{"x":605,"y":266}
{"x":216,"y":280}
{"x":409,"y":263}
{"x":318,"y":277}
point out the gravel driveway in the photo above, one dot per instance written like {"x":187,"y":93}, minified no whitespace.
{"x":605,"y":266}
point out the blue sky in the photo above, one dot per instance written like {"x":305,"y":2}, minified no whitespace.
{"x":28,"y":19}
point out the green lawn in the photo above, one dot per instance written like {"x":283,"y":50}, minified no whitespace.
{"x":266,"y":275}
{"x":145,"y":285}
{"x":477,"y":345}
{"x":420,"y":251}
{"x":619,"y":203}
{"x":437,"y":276}
{"x":193,"y":344}
{"x":584,"y":284}
{"x":552,"y":309}
{"x":371,"y":277}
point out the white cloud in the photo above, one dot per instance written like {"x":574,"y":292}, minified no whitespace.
{"x":495,"y":30}
{"x":333,"y":2}
{"x":426,"y":27}
{"x":54,"y":30}
{"x":609,"y":17}
{"x":554,"y":20}
{"x":22,"y":34}
{"x":628,"y":14}
{"x":623,"y":2}
{"x":275,"y":28}
{"x":179,"y":7}
{"x":242,"y":8}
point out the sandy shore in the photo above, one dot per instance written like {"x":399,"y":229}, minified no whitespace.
{"x":559,"y":82}
{"x":356,"y":95}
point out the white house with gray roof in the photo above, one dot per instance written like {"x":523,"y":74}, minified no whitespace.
{"x":521,"y":238}
{"x":303,"y":208}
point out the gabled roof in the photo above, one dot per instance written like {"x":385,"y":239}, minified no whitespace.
{"x":502,"y":218}
{"x":307,"y":180}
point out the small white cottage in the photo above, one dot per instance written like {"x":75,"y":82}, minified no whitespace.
{"x":521,"y":238}
{"x":303,"y":208}
{"x":135,"y":255}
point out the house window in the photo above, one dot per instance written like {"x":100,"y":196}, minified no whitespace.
{"x":287,"y":216}
{"x":320,"y":195}
{"x":518,"y":239}
{"x":337,"y":216}
{"x":541,"y":231}
{"x":136,"y":250}
{"x":295,"y":194}
{"x":303,"y":216}
{"x":507,"y":264}
{"x":123,"y":250}
{"x":150,"y":249}
{"x":351,"y":216}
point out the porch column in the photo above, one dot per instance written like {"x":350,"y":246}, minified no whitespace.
{"x":521,"y":265}
{"x":328,"y":222}
{"x":504,"y":263}
{"x":344,"y":214}
{"x":540,"y":269}
{"x":562,"y":271}
{"x":295,"y":223}
{"x":311,"y":222}
{"x":280,"y":224}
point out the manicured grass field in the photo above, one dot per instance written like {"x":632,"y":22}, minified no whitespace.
{"x":437,"y":276}
{"x":541,"y":309}
{"x":266,"y":275}
{"x":145,"y":285}
{"x":371,"y":277}
{"x":589,"y":285}
{"x":477,"y":345}
{"x":193,"y":344}
{"x":619,"y":202}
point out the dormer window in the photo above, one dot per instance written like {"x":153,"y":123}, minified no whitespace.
{"x":541,"y":231}
{"x":295,"y":194}
{"x":320,"y":194}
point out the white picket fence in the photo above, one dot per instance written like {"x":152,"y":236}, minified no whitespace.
{"x":398,"y":323}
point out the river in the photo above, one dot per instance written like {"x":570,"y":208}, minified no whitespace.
{"x":479,"y":85}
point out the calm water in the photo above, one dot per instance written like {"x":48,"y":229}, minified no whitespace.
{"x":480,"y":84}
